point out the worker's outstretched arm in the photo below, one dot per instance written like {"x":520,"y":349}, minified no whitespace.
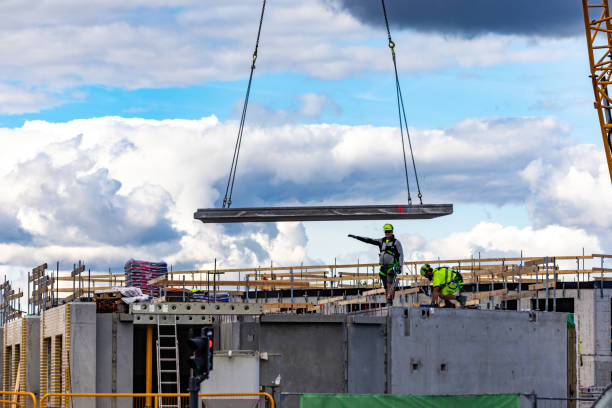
{"x":366,"y":240}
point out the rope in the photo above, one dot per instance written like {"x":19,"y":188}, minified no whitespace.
{"x":229,"y":189}
{"x":402,"y":112}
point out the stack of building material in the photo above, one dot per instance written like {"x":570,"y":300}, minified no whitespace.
{"x":139,"y":273}
{"x":201,"y":296}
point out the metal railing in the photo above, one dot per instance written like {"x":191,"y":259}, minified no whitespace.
{"x":14,"y":401}
{"x":139,"y":399}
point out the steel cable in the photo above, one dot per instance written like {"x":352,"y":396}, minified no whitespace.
{"x":229,"y":189}
{"x":402,"y":112}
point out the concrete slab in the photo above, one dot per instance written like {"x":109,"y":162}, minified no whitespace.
{"x":323,"y":213}
{"x":461,"y":351}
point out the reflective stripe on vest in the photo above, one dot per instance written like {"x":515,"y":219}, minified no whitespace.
{"x":454,"y":277}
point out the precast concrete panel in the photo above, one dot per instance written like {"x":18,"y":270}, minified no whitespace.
{"x":83,"y":351}
{"x":461,"y":351}
{"x":313,"y":349}
{"x":234,"y":372}
{"x":33,"y":355}
{"x":114,"y":359}
{"x":366,"y":354}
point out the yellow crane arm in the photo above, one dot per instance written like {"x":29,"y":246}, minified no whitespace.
{"x":599,"y":43}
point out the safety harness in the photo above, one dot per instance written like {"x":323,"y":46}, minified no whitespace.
{"x":389,"y":247}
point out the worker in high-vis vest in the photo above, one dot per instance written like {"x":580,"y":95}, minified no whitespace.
{"x":391,"y":259}
{"x":445,"y":281}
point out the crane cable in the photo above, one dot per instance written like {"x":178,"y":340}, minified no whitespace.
{"x":402,"y":111}
{"x":227,"y":200}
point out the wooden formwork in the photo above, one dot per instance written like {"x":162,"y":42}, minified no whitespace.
{"x":18,"y":360}
{"x":55,"y":335}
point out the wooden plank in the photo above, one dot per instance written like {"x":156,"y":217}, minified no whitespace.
{"x":423,"y":302}
{"x":251,"y":283}
{"x":373,"y":292}
{"x":490,"y":293}
{"x":309,"y":274}
{"x":521,"y":271}
{"x":539,"y":261}
{"x":78,"y":270}
{"x":601,"y":256}
{"x":16,"y":296}
{"x":602,"y":270}
{"x":38,"y":272}
{"x":520,"y":295}
{"x":424,"y":282}
{"x":540,"y":286}
{"x":330,"y":300}
{"x":407,"y":291}
{"x":353,"y":301}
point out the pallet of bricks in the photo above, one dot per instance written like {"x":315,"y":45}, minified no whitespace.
{"x":139,"y":273}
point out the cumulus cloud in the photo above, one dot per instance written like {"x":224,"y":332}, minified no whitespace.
{"x":108,"y":189}
{"x":494,"y":239}
{"x":576,"y":180}
{"x":554,"y":18}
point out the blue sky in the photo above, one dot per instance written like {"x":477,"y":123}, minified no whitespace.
{"x":130,"y":111}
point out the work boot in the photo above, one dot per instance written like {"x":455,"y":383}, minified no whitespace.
{"x":448,"y":304}
{"x":462,"y":299}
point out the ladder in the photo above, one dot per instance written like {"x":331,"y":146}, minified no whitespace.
{"x":168,"y":375}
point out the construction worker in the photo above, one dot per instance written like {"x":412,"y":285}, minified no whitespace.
{"x":445,"y":281}
{"x":391,"y":259}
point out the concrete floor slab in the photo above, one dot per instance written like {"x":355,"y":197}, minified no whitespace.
{"x":323,"y":213}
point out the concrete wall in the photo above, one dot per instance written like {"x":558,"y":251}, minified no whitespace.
{"x":446,"y":351}
{"x":114,"y":358}
{"x":443,"y":351}
{"x":593,"y":319}
{"x":313,"y":350}
{"x":601,"y":336}
{"x":366,"y":354}
{"x":33,"y":354}
{"x":83,"y":351}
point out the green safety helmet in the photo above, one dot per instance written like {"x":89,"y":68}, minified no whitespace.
{"x":425,"y":268}
{"x":388,"y":227}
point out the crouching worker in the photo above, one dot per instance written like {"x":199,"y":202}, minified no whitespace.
{"x":446,"y":282}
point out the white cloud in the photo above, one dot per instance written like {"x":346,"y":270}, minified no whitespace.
{"x":18,"y":99}
{"x":494,"y":239}
{"x":577,"y":181}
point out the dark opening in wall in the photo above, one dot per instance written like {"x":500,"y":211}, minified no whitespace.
{"x":565,"y":305}
{"x":511,"y":304}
